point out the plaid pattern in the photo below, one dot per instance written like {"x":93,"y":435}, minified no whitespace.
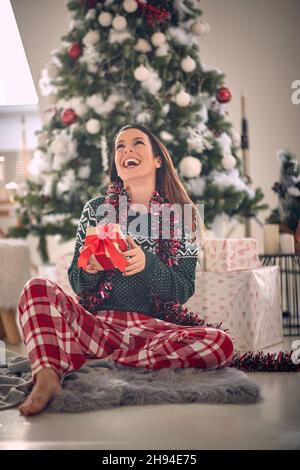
{"x":60,"y":334}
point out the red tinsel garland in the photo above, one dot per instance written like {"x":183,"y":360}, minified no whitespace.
{"x":153,"y":14}
{"x":166,"y":249}
{"x":247,"y":362}
{"x":281,"y":361}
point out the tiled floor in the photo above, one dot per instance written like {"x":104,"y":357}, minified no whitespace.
{"x":272,"y":424}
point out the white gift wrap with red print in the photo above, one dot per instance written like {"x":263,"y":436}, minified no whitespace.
{"x":248,"y":303}
{"x":231,"y":255}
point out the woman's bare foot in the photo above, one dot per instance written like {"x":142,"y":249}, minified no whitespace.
{"x":47,"y":386}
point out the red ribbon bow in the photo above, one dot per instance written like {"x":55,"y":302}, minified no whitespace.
{"x":104,"y":248}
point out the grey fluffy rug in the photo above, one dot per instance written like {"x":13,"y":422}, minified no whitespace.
{"x":103,"y":384}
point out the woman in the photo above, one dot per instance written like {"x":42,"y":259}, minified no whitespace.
{"x":136,"y":317}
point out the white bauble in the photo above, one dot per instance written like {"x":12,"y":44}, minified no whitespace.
{"x":93,"y":126}
{"x":119,"y":23}
{"x":91,"y":38}
{"x":166,"y":136}
{"x":105,"y":19}
{"x":84,"y":172}
{"x":182,"y":99}
{"x":142,"y":46}
{"x":190,"y":167}
{"x":188,"y":64}
{"x":200,"y":28}
{"x":162,"y":50}
{"x":228,"y":162}
{"x":197,"y":186}
{"x":130,"y":6}
{"x":53,"y":71}
{"x":141,"y":73}
{"x":158,"y":39}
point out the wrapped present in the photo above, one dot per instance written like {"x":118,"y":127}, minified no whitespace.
{"x":230,"y":254}
{"x":248,"y":303}
{"x":106,"y":242}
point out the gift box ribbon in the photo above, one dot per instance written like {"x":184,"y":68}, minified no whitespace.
{"x":104,"y":248}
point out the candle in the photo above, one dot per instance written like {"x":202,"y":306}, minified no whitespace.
{"x":287,"y":243}
{"x":245,"y":137}
{"x":245,"y":153}
{"x":271,"y":239}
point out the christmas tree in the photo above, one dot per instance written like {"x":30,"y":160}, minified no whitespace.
{"x":124,"y":62}
{"x":287,"y":214}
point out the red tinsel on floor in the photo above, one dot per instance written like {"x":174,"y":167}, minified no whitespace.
{"x":266,"y":362}
{"x":248,"y":362}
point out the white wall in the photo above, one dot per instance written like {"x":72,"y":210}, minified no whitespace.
{"x":255,"y":43}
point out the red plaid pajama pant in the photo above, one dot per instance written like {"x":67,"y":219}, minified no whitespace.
{"x":60,"y":334}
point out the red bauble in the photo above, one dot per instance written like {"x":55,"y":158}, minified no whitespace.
{"x":223,"y":95}
{"x":69,"y":116}
{"x":75,"y":51}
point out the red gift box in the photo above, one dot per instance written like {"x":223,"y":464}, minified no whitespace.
{"x":106,"y":242}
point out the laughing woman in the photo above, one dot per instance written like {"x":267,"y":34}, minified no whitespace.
{"x":135,"y":318}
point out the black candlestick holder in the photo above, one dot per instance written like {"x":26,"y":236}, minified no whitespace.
{"x":290,"y":289}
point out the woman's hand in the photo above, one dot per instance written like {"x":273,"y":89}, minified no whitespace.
{"x":137,"y":258}
{"x":91,"y":266}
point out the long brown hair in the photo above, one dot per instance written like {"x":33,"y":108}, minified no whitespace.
{"x":167,"y":179}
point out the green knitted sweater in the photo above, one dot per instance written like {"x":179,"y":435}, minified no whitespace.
{"x":132,"y":293}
